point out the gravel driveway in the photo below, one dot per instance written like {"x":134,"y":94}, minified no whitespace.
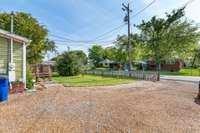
{"x":138,"y":107}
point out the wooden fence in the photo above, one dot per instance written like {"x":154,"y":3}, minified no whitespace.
{"x":150,"y":76}
{"x":41,"y":71}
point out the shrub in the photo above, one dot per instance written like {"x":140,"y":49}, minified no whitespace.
{"x":68,"y":65}
{"x":29,"y":78}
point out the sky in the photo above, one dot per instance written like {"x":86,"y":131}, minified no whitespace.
{"x":87,"y":19}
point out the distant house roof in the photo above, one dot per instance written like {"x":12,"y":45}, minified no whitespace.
{"x":107,"y":61}
{"x":140,"y":62}
{"x":9,"y":35}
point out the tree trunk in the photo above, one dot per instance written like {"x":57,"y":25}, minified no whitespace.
{"x":193,"y":62}
{"x":158,"y":70}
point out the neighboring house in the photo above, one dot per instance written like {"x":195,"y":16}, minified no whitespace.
{"x":110,"y":64}
{"x":140,"y":65}
{"x":167,"y":66}
{"x":106,"y":63}
{"x":13,"y":56}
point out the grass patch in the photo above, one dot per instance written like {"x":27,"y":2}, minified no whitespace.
{"x":90,"y":80}
{"x":183,"y":72}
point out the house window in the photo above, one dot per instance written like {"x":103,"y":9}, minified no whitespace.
{"x":4,"y":56}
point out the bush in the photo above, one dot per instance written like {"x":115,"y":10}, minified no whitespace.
{"x":29,"y":78}
{"x":67,"y":64}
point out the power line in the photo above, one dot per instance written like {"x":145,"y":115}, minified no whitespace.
{"x":90,"y":41}
{"x":126,"y":8}
{"x":77,"y":43}
{"x":119,"y":27}
{"x":106,"y":33}
{"x":146,"y":7}
{"x":87,"y":44}
{"x":98,"y":38}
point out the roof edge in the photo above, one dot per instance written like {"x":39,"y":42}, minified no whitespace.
{"x":14,"y":36}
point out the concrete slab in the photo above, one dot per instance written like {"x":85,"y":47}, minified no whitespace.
{"x":181,"y":78}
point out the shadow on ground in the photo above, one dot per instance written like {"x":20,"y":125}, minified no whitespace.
{"x":197,"y":100}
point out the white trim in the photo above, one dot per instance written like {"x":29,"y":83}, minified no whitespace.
{"x":11,"y":50}
{"x":14,"y":36}
{"x":24,"y":64}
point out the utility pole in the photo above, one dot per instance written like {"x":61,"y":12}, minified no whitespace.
{"x":11,"y":22}
{"x":126,"y":8}
{"x":68,"y":48}
{"x":11,"y":30}
{"x":11,"y":65}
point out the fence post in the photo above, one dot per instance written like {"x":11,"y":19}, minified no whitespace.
{"x":199,"y":91}
{"x":37,"y":72}
{"x":158,"y":76}
{"x":143,"y":75}
{"x":199,"y":71}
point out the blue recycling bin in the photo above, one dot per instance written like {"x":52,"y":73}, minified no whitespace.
{"x":3,"y":89}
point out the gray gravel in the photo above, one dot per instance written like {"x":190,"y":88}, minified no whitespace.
{"x":138,"y":107}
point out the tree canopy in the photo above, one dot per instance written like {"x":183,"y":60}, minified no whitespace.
{"x":27,"y":26}
{"x":96,"y":54}
{"x":160,"y":39}
{"x":121,"y":45}
{"x":169,"y":37}
{"x":70,"y":63}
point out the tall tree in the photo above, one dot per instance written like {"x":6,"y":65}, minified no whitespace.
{"x":27,"y":26}
{"x":110,"y":53}
{"x":80,"y":57}
{"x":196,"y":57}
{"x":169,"y":37}
{"x":122,"y":47}
{"x":70,"y":63}
{"x":96,"y":54}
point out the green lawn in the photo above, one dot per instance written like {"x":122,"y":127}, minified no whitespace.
{"x":184,"y":72}
{"x":90,"y":80}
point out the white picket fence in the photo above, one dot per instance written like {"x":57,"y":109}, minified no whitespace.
{"x":150,"y":76}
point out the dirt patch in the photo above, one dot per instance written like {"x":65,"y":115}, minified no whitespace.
{"x":139,"y":107}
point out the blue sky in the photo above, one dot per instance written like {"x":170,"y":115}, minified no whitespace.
{"x":87,"y":19}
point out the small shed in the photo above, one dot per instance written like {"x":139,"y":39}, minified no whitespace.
{"x":13,"y":56}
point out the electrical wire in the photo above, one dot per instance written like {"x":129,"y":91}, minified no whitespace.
{"x":106,"y":33}
{"x":118,"y":27}
{"x":89,"y":41}
{"x":143,"y":9}
{"x":65,"y":41}
{"x":88,"y":44}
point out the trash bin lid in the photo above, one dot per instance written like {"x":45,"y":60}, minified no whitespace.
{"x":3,"y":77}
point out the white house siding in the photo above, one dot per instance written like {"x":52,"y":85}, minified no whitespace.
{"x":18,"y":60}
{"x":13,"y":52}
{"x":4,"y":55}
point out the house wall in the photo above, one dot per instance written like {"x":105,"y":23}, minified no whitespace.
{"x":166,"y":67}
{"x":4,"y":56}
{"x":18,"y":60}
